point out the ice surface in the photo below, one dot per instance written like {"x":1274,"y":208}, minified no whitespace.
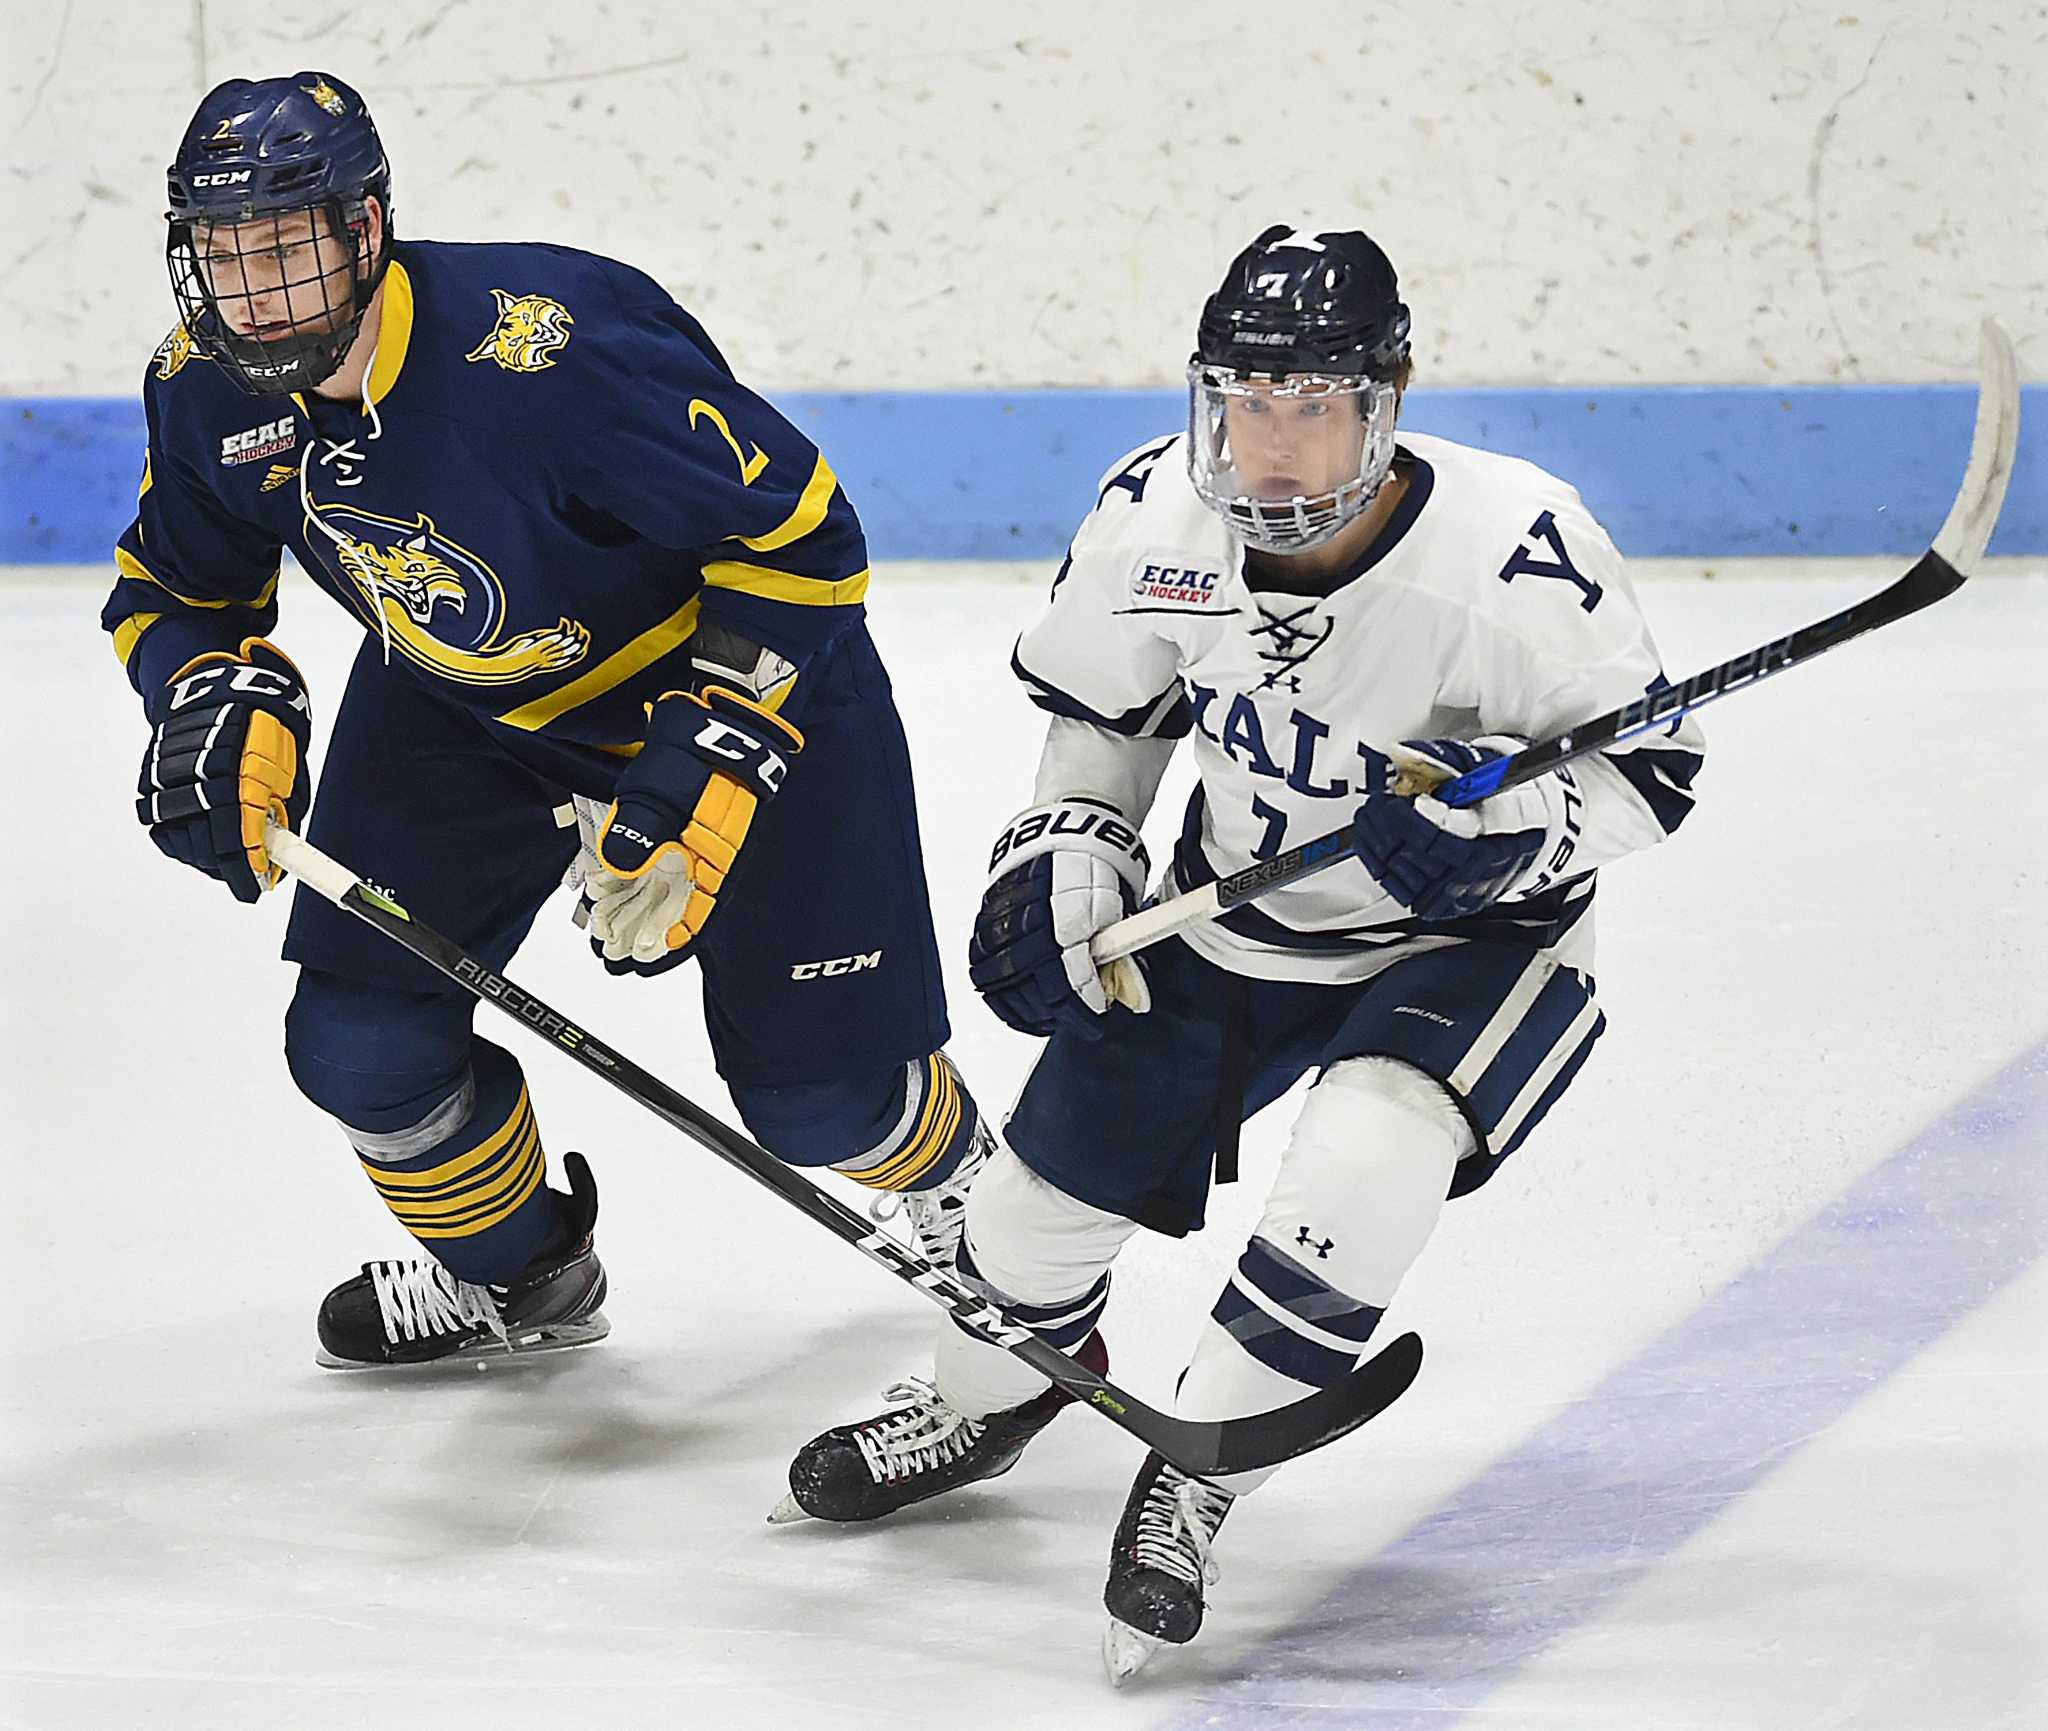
{"x":202,"y":1529}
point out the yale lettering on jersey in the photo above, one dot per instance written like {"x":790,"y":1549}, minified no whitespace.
{"x":528,"y":335}
{"x":256,"y":442}
{"x":1294,"y":758}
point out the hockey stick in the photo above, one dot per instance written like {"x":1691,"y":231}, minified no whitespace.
{"x":1939,"y":572}
{"x":1203,"y":1448}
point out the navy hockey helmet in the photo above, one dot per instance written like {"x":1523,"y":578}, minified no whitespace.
{"x":1293,"y":302}
{"x":1303,"y":324}
{"x":270,"y":248}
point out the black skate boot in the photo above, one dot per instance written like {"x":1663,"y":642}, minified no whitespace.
{"x":1159,"y":1563}
{"x":413,"y":1311}
{"x":918,"y":1449}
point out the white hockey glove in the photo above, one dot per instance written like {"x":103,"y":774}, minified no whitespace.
{"x":1059,"y":873}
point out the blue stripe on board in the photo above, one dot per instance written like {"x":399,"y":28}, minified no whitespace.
{"x":1697,"y":471}
{"x":1542,"y":1540}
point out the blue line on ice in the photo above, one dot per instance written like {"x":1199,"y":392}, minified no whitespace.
{"x":1535,"y":1545}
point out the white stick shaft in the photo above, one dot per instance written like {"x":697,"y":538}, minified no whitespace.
{"x":1148,"y":925}
{"x":307,"y":863}
{"x":1993,"y":445}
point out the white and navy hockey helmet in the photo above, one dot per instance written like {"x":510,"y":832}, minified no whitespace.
{"x":1301,"y":316}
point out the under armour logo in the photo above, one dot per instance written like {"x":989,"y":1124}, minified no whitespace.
{"x":1322,"y":1250}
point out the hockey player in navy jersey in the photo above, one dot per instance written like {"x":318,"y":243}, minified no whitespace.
{"x":609,"y":595}
{"x":1316,"y":600}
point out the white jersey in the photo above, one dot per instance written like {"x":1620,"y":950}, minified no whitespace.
{"x":1492,"y":603}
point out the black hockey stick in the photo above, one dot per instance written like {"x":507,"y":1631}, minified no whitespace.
{"x":1203,"y":1448}
{"x":1939,"y":572}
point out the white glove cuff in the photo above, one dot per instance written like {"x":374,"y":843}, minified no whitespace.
{"x":1552,"y":803}
{"x":1075,"y":824}
{"x":1099,"y":867}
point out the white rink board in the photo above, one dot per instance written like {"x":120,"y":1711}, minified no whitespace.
{"x":920,"y":194}
{"x":202,"y":1530}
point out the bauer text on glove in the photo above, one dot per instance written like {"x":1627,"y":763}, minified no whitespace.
{"x":1059,"y":874}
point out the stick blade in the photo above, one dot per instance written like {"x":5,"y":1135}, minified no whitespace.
{"x":1993,"y":446}
{"x":1265,"y":1439}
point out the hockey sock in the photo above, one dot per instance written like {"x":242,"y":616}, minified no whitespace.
{"x":467,"y":1180}
{"x":1045,"y":1257}
{"x":932,"y":1126}
{"x":1360,"y":1186}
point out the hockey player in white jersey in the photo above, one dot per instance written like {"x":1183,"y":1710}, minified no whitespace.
{"x":1318,"y":600}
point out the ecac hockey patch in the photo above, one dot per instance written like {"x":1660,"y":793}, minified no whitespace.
{"x":1155,"y":583}
{"x":264,"y":441}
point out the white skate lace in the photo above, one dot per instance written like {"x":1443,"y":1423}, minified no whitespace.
{"x":937,"y":1216}
{"x":418,"y":1298}
{"x":927,"y":1433}
{"x":1179,"y":1519}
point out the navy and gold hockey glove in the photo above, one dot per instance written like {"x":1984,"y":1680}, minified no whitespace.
{"x":230,"y":748}
{"x":680,"y":816}
{"x":1443,"y":864}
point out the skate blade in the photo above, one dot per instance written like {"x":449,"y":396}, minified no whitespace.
{"x":1126,"y":1651}
{"x":528,"y":1343}
{"x":788,"y":1510}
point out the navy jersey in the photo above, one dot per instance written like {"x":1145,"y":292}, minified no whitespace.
{"x":553,"y":478}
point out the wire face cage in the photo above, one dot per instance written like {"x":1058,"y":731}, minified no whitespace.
{"x":1287,"y":462}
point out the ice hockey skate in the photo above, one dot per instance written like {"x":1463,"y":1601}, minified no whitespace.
{"x":917,"y":1449}
{"x":412,"y":1310}
{"x":938,"y":1216}
{"x":1159,"y":1564}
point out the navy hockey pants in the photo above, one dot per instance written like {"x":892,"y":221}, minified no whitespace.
{"x":1127,"y":1123}
{"x":820,"y":971}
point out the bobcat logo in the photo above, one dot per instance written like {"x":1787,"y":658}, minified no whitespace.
{"x":327,"y":96}
{"x":531,"y":330}
{"x":443,"y":606}
{"x":173,"y":352}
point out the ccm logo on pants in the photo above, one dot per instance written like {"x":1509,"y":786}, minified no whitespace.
{"x":836,"y":966}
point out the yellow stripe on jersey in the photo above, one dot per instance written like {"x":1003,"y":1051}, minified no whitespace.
{"x":148,"y":479}
{"x":773,"y":585}
{"x":128,"y":565}
{"x":809,"y":513}
{"x":129,"y":633}
{"x":394,"y":337}
{"x":613,"y":671}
